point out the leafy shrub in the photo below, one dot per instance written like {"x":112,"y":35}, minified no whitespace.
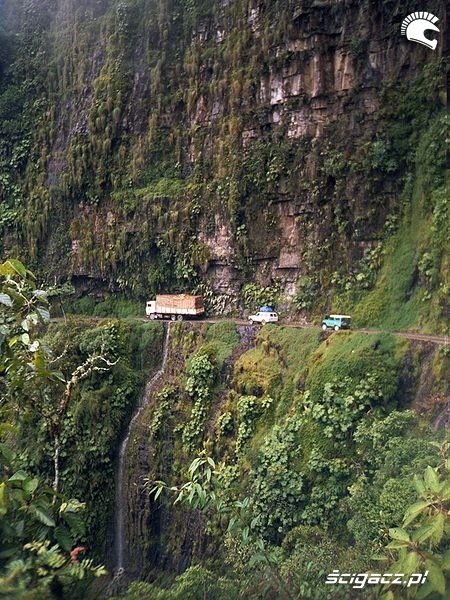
{"x":82,"y":306}
{"x":276,"y":486}
{"x":357,"y":354}
{"x":307,"y":293}
{"x":201,"y":374}
{"x":248,"y":411}
{"x":254,"y":295}
{"x":225,"y":424}
{"x":196,"y":583}
{"x":422,"y":543}
{"x":119,"y":307}
{"x":391,"y":451}
{"x":380,"y":156}
{"x":343,"y":402}
{"x":98,"y":411}
{"x":164,"y":402}
{"x":309,"y":553}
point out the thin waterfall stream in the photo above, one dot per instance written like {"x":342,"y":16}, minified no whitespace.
{"x":121,"y":489}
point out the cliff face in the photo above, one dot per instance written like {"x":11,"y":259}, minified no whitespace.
{"x":244,"y":401}
{"x":157,"y":145}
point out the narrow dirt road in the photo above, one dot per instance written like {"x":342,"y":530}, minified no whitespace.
{"x":441,"y":340}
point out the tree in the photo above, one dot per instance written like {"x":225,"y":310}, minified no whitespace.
{"x":206,"y":490}
{"x":422,"y":544}
{"x":22,"y":355}
{"x":39,"y":527}
{"x":26,"y":362}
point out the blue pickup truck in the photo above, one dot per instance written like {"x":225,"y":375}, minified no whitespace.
{"x":336,"y":322}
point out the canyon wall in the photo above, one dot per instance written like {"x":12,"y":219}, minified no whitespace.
{"x":168,"y":145}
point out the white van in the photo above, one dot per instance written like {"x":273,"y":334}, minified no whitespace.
{"x":264,"y":317}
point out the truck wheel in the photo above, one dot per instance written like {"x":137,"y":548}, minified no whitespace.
{"x":153,"y":316}
{"x":179,"y":317}
{"x":336,"y":327}
{"x":324,"y":327}
{"x":172,"y":317}
{"x":252,"y":322}
{"x":263,"y":322}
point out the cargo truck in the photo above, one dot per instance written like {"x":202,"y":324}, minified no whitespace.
{"x":175,"y":307}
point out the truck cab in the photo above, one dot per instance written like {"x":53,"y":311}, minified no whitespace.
{"x":150,"y":308}
{"x":336,"y":322}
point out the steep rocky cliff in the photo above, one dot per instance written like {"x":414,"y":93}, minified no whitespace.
{"x":152,"y":145}
{"x":279,"y":410}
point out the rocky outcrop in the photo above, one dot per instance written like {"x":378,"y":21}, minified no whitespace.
{"x":220,"y":142}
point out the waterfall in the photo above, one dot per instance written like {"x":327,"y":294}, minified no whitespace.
{"x":121,"y":489}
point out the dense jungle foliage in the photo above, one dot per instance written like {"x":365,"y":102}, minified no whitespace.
{"x":66,"y":391}
{"x":280,"y":152}
{"x":304,"y":465}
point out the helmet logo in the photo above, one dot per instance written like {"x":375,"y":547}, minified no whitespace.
{"x":415,"y":25}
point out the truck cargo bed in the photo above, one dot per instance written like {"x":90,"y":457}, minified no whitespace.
{"x":164,"y":310}
{"x":179,"y":303}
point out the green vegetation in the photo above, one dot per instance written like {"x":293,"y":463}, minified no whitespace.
{"x":39,"y":526}
{"x":97,"y":373}
{"x":398,"y":300}
{"x":356,"y":354}
{"x":113,"y":306}
{"x":200,"y":372}
{"x":307,"y":454}
{"x":425,"y":546}
{"x":288,"y":574}
{"x":254,"y":296}
{"x":100,"y":406}
{"x":196,"y":583}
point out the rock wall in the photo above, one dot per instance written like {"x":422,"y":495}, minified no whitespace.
{"x":173,"y":144}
